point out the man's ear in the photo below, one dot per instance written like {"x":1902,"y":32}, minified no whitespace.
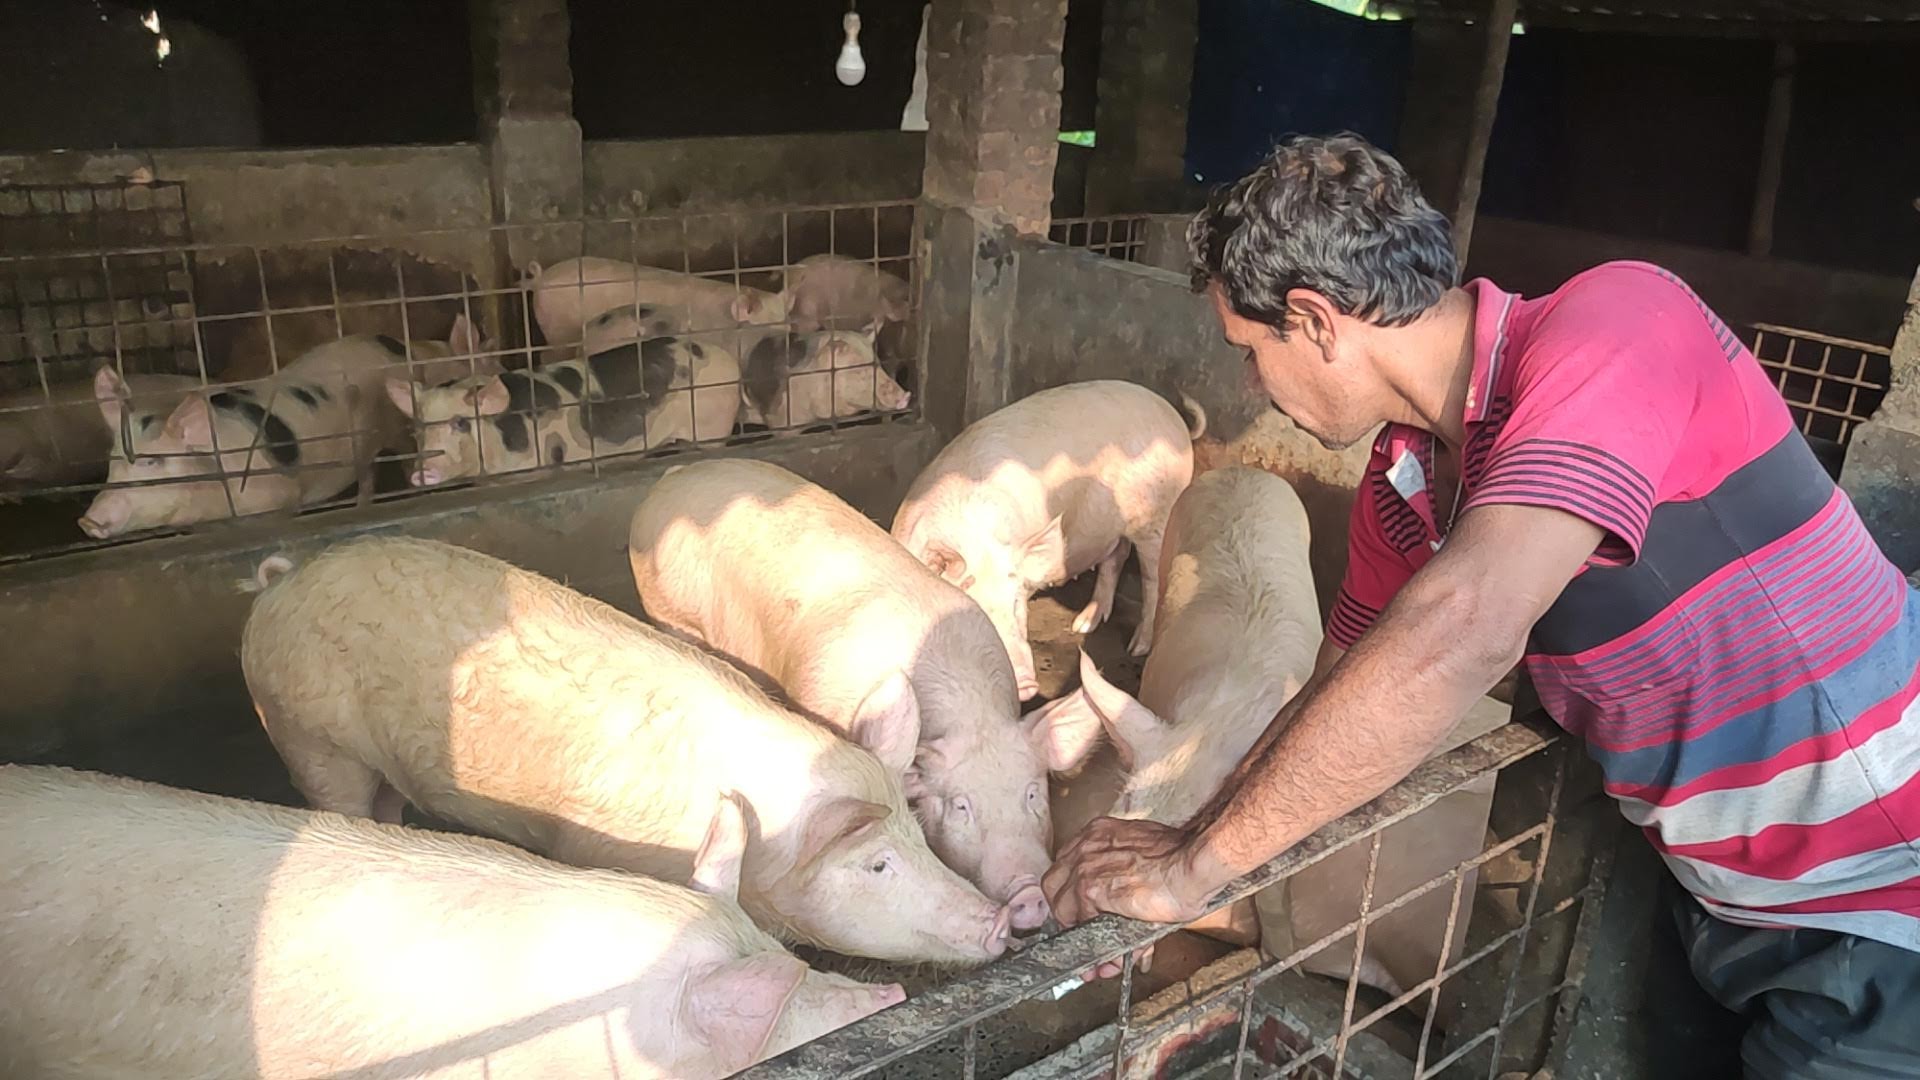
{"x":1312,"y":315}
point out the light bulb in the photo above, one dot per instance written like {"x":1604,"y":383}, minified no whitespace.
{"x":851,"y":67}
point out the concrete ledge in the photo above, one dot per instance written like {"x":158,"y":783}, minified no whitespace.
{"x":105,"y":641}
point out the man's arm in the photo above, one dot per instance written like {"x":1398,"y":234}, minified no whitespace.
{"x":1452,"y":632}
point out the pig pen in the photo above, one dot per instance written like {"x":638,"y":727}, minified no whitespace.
{"x":121,"y":655}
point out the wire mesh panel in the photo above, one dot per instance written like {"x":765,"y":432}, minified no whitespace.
{"x":1830,"y":384}
{"x":1123,"y":238}
{"x":303,"y":376}
{"x":58,"y":312}
{"x":1510,"y":958}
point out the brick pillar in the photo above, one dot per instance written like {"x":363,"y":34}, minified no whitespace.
{"x":1146,"y":80}
{"x":1882,"y":470}
{"x":993,"y":119}
{"x":523,"y":88}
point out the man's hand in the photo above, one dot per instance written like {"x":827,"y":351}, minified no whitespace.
{"x":1137,"y":869}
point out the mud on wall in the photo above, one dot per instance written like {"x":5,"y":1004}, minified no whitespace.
{"x":1082,"y":316}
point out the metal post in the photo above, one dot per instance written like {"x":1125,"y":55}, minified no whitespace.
{"x":1773,"y":151}
{"x":1486,"y":102}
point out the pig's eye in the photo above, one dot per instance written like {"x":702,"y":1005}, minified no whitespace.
{"x":1033,"y":795}
{"x":961,"y":807}
{"x":881,"y":864}
{"x":461,"y":425}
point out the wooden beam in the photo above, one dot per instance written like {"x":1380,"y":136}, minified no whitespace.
{"x":1773,"y":152}
{"x":1486,"y":103}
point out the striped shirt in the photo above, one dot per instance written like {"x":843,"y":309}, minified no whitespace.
{"x":1737,"y":653}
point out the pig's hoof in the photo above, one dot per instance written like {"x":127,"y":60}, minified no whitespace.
{"x":1089,"y":619}
{"x":1142,"y":642}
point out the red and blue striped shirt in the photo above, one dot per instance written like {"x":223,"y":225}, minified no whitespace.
{"x":1738,"y":655}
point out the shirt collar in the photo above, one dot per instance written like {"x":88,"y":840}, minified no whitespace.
{"x":1492,"y":314}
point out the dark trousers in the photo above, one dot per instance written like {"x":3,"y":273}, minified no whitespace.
{"x":1819,"y":1004}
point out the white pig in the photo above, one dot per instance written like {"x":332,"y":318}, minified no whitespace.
{"x":1046,"y":489}
{"x":57,"y":436}
{"x":1237,"y":637}
{"x":782,"y":577}
{"x":390,"y":670}
{"x":628,"y":398}
{"x":794,"y":380}
{"x":834,"y":292}
{"x":153,"y":932}
{"x":567,"y":295}
{"x":300,"y":437}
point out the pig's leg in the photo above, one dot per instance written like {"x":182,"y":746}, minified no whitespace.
{"x":329,"y":779}
{"x":388,"y":804}
{"x":1095,"y":613}
{"x":1148,"y":545}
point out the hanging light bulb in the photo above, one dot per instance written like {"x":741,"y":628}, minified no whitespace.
{"x":851,"y":67}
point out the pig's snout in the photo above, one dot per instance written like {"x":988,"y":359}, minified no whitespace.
{"x":107,"y":517}
{"x":1028,"y":905}
{"x":425,"y":476}
{"x":999,"y":933}
{"x":891,"y":396}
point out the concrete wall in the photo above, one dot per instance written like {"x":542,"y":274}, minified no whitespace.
{"x":1083,"y":316}
{"x":136,"y":646}
{"x":628,"y":177}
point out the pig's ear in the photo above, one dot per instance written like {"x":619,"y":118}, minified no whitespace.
{"x":464,"y":340}
{"x":734,"y":1006}
{"x":887,"y":722}
{"x":836,"y":822}
{"x":716,"y":866}
{"x":110,"y":390}
{"x":1044,"y":555}
{"x":1132,"y":726}
{"x":192,"y":421}
{"x":946,"y":562}
{"x":1064,"y":732}
{"x":400,"y":392}
{"x":489,"y":397}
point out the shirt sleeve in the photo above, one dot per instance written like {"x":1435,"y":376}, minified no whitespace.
{"x":1375,"y":568}
{"x":1607,"y":384}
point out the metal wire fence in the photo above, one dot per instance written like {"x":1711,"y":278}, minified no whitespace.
{"x":247,"y":379}
{"x":1510,"y":957}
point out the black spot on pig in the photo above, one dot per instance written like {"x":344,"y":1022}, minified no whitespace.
{"x":698,"y":352}
{"x":570,"y":378}
{"x":147,"y":422}
{"x":513,"y":432}
{"x":281,"y":443}
{"x":764,"y":375}
{"x":392,"y":345}
{"x":632,"y":378}
{"x":305,"y":395}
{"x":527,"y":392}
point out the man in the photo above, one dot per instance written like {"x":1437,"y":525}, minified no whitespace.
{"x":1604,"y":483}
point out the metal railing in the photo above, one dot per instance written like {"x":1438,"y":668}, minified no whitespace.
{"x":1509,"y":986}
{"x":1122,"y":237}
{"x":237,"y":318}
{"x":1830,"y":384}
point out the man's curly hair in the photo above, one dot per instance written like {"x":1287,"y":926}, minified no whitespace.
{"x":1332,"y":214}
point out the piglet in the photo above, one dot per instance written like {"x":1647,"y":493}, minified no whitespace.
{"x":156,"y":932}
{"x":1237,"y":637}
{"x":621,"y":400}
{"x":300,"y":437}
{"x":834,"y":292}
{"x":567,"y":295}
{"x":391,"y":670}
{"x":57,"y":436}
{"x":788,"y":581}
{"x":794,"y":380}
{"x":1046,"y":489}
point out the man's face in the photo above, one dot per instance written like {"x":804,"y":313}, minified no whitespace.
{"x":1302,"y":376}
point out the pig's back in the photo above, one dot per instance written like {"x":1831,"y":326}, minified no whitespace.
{"x":1238,"y":611}
{"x":1082,"y":442}
{"x":240,"y":938}
{"x":496,"y":697}
{"x":789,"y":579}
